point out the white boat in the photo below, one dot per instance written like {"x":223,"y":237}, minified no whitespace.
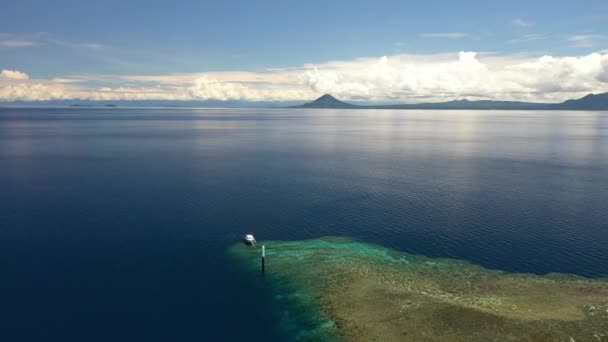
{"x":249,"y":239}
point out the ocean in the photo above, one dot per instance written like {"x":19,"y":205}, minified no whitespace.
{"x":115,"y":222}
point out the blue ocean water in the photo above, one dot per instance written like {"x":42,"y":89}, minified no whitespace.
{"x":114,"y":222}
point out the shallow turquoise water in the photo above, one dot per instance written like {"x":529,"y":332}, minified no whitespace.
{"x":337,"y":288}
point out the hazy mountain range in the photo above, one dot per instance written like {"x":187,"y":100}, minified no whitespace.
{"x":152,"y":103}
{"x":589,"y":102}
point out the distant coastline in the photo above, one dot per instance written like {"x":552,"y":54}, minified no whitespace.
{"x":588,"y":102}
{"x":93,"y":105}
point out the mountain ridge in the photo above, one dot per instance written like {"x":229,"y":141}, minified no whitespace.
{"x":587,"y":102}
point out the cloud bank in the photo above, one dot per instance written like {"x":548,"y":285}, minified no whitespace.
{"x":397,"y":78}
{"x":13,"y":75}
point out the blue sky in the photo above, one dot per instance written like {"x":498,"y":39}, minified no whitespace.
{"x":68,"y":39}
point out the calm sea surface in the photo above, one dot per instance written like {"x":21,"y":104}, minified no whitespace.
{"x":114,"y":222}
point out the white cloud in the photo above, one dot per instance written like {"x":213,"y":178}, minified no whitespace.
{"x":519,"y":22}
{"x":603,"y":75}
{"x":73,"y":45}
{"x":13,"y":75}
{"x":16,"y":43}
{"x":446,"y":35}
{"x":33,"y":92}
{"x":584,"y":40}
{"x":526,"y":38}
{"x":207,"y":88}
{"x":10,"y":40}
{"x":18,"y":40}
{"x":93,"y":46}
{"x":441,"y":77}
{"x":64,"y":80}
{"x":398,"y":78}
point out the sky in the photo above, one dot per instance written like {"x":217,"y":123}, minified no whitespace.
{"x":384,"y":51}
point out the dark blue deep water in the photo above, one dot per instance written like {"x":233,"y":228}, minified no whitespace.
{"x":114,"y":222}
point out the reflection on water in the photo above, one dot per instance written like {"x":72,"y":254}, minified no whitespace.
{"x":115,"y":220}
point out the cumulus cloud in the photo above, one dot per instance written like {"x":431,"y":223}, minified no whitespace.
{"x":396,"y":78}
{"x":33,"y":92}
{"x":43,"y":91}
{"x":13,"y":75}
{"x":263,"y":89}
{"x":441,"y":77}
{"x":603,"y":74}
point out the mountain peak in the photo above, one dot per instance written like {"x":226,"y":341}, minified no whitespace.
{"x":327,"y":101}
{"x":327,"y":97}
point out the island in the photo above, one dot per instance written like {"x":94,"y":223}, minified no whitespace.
{"x":343,"y":289}
{"x":588,"y":102}
{"x":111,"y":105}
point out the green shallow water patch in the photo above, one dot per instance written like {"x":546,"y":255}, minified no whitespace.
{"x":300,"y":315}
{"x":333,"y":288}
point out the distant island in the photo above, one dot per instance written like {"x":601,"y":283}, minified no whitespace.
{"x":92,"y":105}
{"x":327,"y":101}
{"x":589,"y":102}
